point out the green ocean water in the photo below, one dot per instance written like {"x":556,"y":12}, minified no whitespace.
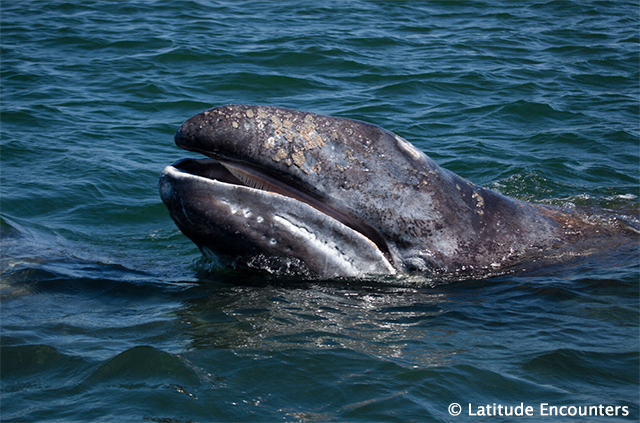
{"x":108,"y":313}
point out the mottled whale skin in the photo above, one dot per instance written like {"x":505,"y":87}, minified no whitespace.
{"x":332,"y":197}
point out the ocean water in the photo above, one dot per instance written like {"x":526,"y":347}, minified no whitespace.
{"x":108,"y":313}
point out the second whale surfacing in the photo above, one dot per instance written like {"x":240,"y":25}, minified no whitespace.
{"x":296,"y":192}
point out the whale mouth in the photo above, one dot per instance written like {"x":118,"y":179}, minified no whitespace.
{"x":252,"y":177}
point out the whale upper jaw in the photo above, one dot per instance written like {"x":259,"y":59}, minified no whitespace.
{"x":236,"y":211}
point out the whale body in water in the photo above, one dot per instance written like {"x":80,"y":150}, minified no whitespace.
{"x":297,"y":192}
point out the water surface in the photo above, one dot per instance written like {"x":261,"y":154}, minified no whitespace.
{"x":108,"y":313}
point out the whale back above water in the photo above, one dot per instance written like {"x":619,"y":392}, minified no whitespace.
{"x":290,"y":191}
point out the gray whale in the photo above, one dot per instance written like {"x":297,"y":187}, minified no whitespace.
{"x":286,"y":190}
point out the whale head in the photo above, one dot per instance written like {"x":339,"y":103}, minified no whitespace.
{"x":330,"y":196}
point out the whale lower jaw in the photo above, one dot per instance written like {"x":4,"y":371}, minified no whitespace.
{"x":235,"y":211}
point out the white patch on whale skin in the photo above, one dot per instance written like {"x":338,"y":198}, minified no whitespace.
{"x":324,"y":248}
{"x":407,"y":147}
{"x":331,"y":251}
{"x":166,"y":189}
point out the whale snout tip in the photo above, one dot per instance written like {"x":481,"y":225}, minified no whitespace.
{"x":178,"y":136}
{"x":187,"y":133}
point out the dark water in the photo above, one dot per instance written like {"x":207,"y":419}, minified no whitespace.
{"x":109,"y":314}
